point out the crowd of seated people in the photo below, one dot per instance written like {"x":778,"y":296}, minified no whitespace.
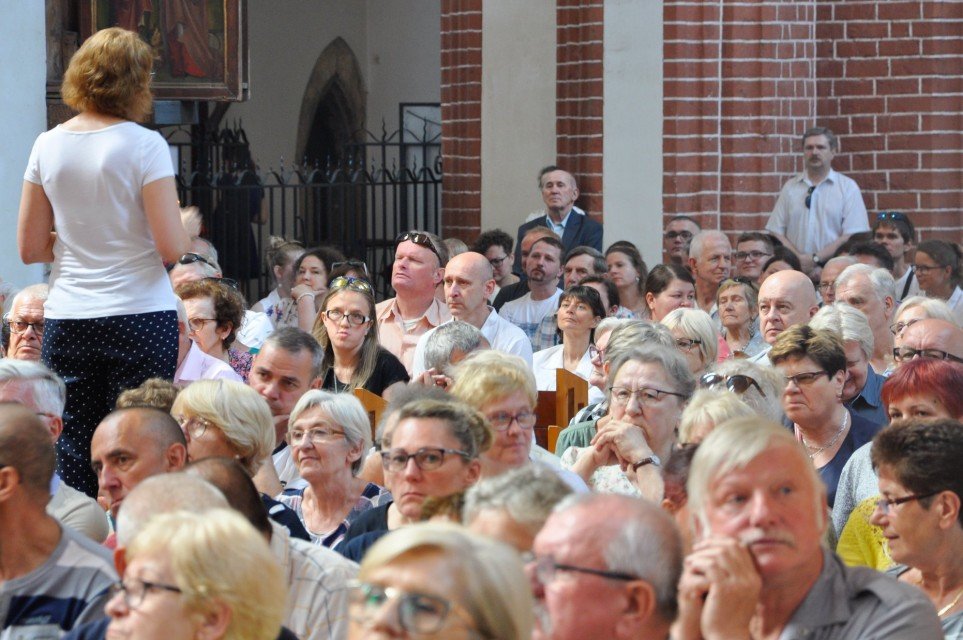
{"x":325,"y":464}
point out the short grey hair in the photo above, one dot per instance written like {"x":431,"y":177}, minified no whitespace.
{"x":344,"y":410}
{"x":527,"y":494}
{"x":164,"y":493}
{"x":880,"y":279}
{"x":634,"y":333}
{"x":699,"y":239}
{"x":49,"y":393}
{"x":696,"y":323}
{"x":643,"y":541}
{"x":848,"y":322}
{"x":446,"y":339}
{"x":610,"y":324}
{"x":294,"y":341}
{"x":668,"y":358}
{"x":711,"y":406}
{"x":935,"y":308}
{"x":33,"y":291}
{"x":733,"y":445}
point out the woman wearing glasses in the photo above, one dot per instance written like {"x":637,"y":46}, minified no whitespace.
{"x":106,"y":185}
{"x":214,"y":315}
{"x":330,"y":434}
{"x":696,"y":338}
{"x":438,"y":580}
{"x":432,"y":451}
{"x":224,"y":418}
{"x":918,"y":463}
{"x":649,"y":388}
{"x":738,"y":313}
{"x":311,"y":281}
{"x":502,"y":388}
{"x":193,"y":575}
{"x":814,"y":364}
{"x":580,"y":311}
{"x":347,"y":330}
{"x":939,"y":268}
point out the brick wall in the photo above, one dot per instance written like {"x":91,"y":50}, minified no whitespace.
{"x":461,"y":77}
{"x":578,"y":96}
{"x":743,"y":79}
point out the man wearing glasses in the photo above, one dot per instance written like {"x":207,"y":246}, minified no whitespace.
{"x":679,"y":232}
{"x":25,"y":323}
{"x":819,"y":209}
{"x":605,"y":566}
{"x":930,"y":338}
{"x":753,"y":249}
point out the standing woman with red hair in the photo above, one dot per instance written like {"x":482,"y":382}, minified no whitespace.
{"x":106,"y":185}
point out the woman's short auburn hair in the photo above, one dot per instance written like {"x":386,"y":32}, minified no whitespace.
{"x":110,"y":74}
{"x":228,"y":304}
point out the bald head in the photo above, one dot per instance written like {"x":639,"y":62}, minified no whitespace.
{"x":932,"y":333}
{"x":785,"y":298}
{"x":469,"y":284}
{"x":25,"y":446}
{"x":165,"y":493}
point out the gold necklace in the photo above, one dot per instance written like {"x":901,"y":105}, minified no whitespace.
{"x":942,"y":612}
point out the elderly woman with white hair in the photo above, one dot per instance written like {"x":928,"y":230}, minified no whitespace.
{"x":329,"y":435}
{"x":438,"y":580}
{"x":917,"y":308}
{"x":695,"y":337}
{"x":861,"y":392}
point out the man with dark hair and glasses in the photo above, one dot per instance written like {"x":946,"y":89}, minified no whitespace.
{"x":819,"y":209}
{"x":930,"y":338}
{"x":498,"y":248}
{"x":418,"y":269}
{"x":605,"y":566}
{"x":679,"y":231}
{"x":25,"y":323}
{"x":753,"y":249}
{"x":895,"y":231}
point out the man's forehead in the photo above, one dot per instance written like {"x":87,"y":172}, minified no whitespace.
{"x":818,"y":140}
{"x":545,"y":248}
{"x":283,"y":362}
{"x":581,"y":260}
{"x":409,"y":248}
{"x":558,"y":175}
{"x":683,"y":225}
{"x":27,"y":306}
{"x":715,"y":246}
{"x":748,"y":245}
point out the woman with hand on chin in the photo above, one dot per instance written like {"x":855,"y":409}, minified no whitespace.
{"x":649,"y":388}
{"x":311,"y":282}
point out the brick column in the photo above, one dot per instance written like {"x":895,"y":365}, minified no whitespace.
{"x":461,"y":78}
{"x":579,"y":96}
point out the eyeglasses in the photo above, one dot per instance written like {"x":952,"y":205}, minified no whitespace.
{"x":314,"y":436}
{"x":923,"y":269}
{"x":891,"y":215}
{"x":426,"y":458}
{"x":908,"y":353}
{"x":809,"y":196}
{"x":497,"y":262}
{"x":546,"y":568}
{"x":805,"y":379}
{"x":193,"y":425}
{"x":672,"y":235}
{"x":645,"y":396}
{"x":596,"y":354}
{"x":197,"y":324}
{"x":737,"y":383}
{"x":897,"y":327}
{"x":335,"y":315}
{"x":420,"y":239}
{"x":189,"y":258}
{"x":754,"y":255}
{"x":228,"y":282}
{"x":686,"y":344}
{"x":826,"y":286}
{"x":417,"y":612}
{"x":351,"y":264}
{"x":134,"y":591}
{"x":885,"y":504}
{"x":502,"y":420}
{"x":352,"y":284}
{"x":21,"y":326}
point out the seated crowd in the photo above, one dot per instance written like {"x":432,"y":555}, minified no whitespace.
{"x":762,"y":452}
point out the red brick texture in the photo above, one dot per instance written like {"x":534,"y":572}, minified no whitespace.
{"x":461,"y":81}
{"x":578,"y":96}
{"x":742,"y":80}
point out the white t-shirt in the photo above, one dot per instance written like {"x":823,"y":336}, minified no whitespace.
{"x":105,"y":261}
{"x":526,"y":314}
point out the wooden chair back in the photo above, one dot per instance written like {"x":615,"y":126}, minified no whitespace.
{"x":374,"y":405}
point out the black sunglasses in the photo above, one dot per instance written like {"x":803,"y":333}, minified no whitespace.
{"x":351,"y":264}
{"x":420,"y":239}
{"x":189,"y":258}
{"x":891,"y":215}
{"x":809,"y":196}
{"x":736,"y":383}
{"x":230,"y":282}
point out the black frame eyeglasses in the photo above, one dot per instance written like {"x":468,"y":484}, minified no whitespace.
{"x":545,"y":569}
{"x":20,"y":327}
{"x":336,"y":315}
{"x":737,"y":383}
{"x":908,"y":353}
{"x":754,"y":255}
{"x":806,"y":378}
{"x":885,"y":504}
{"x":351,"y":264}
{"x":136,"y":590}
{"x":502,"y":421}
{"x":672,"y":235}
{"x":189,"y":258}
{"x":420,"y":239}
{"x":426,"y":458}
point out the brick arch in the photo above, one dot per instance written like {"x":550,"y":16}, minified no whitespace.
{"x":336,"y":78}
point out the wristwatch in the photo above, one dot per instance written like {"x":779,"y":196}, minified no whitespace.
{"x":817,"y":261}
{"x":654,"y":460}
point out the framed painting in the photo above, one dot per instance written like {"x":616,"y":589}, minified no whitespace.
{"x":200,"y":46}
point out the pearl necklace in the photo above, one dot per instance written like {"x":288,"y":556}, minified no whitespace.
{"x":813,"y":451}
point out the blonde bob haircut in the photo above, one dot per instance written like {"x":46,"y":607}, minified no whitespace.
{"x":345,"y":411}
{"x":241,"y":414}
{"x":708,"y":408}
{"x":488,"y":376}
{"x":734,"y":444}
{"x":217,"y":558}
{"x":696,"y":324}
{"x":492,"y":586}
{"x":934,"y":308}
{"x":110,"y":74}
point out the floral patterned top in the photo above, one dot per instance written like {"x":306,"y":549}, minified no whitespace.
{"x":607,"y":479}
{"x":373,"y":495}
{"x":240,"y":361}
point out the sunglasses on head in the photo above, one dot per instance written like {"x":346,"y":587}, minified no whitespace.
{"x":351,"y":264}
{"x":352,"y":284}
{"x":736,"y":383}
{"x":189,"y":258}
{"x":891,"y":215}
{"x":228,"y":282}
{"x":420,"y":239}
